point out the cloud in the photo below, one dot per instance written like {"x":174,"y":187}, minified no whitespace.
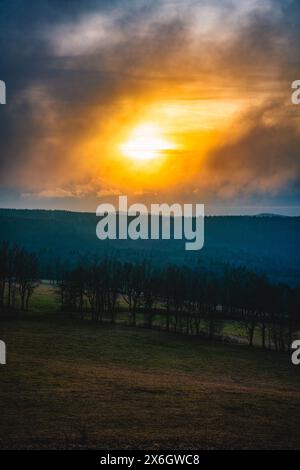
{"x":57,"y":193}
{"x":88,"y":35}
{"x":109,"y":192}
{"x":76,"y":71}
{"x":264,"y":159}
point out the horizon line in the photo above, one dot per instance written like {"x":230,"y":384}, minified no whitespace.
{"x":261,"y":214}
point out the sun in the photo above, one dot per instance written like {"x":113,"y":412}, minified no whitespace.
{"x":146,"y":142}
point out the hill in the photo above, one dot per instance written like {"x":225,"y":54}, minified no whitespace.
{"x":270,"y":244}
{"x":73,"y":385}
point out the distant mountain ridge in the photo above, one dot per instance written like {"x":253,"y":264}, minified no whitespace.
{"x":268,"y":243}
{"x":269,"y":214}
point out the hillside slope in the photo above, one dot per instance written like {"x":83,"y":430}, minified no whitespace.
{"x":265,"y":243}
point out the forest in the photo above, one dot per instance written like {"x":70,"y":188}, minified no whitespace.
{"x":264,"y":243}
{"x":181,"y":299}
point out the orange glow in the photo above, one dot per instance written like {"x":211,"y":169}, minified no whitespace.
{"x":153,"y":145}
{"x":146,"y":143}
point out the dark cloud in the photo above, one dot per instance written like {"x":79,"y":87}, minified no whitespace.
{"x":62,"y":59}
{"x":264,"y":160}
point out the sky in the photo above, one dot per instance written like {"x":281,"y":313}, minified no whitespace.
{"x":163,"y":101}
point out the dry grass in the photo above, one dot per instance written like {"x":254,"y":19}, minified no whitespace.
{"x":69,"y":385}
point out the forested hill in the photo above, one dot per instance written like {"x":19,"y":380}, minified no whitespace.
{"x":264,"y":243}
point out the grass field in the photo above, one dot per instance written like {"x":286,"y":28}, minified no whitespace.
{"x":72,"y":384}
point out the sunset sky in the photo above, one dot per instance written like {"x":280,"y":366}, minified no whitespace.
{"x":163,"y":100}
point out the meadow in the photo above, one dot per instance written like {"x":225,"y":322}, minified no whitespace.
{"x":73,"y":384}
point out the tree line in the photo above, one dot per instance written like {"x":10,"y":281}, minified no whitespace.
{"x":188,"y":300}
{"x":193,"y":301}
{"x":18,"y":277}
